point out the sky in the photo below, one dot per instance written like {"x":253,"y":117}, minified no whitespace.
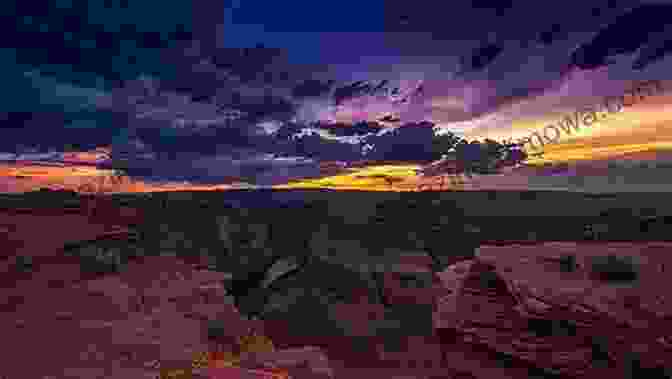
{"x":300,"y":94}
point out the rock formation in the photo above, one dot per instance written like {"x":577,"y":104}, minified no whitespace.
{"x":396,"y":287}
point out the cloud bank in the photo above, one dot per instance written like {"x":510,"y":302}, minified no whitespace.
{"x":181,"y":102}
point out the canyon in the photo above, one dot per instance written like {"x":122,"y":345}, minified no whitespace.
{"x":415,"y":285}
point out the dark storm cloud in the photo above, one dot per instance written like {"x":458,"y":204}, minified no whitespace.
{"x":49,"y":115}
{"x":410,"y":142}
{"x":432,"y":17}
{"x":476,"y":57}
{"x":241,"y":166}
{"x":75,"y":38}
{"x":380,"y":89}
{"x":61,"y":56}
{"x":358,"y":128}
{"x":312,"y":88}
{"x":205,"y":155}
{"x":249,"y":63}
{"x":352,"y":90}
{"x":482,"y":57}
{"x":85,"y":49}
{"x":245,"y":135}
{"x":625,"y":35}
{"x":654,"y":51}
{"x":317,"y":147}
{"x":554,"y":33}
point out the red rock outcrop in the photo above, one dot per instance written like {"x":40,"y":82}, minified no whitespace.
{"x":541,"y":326}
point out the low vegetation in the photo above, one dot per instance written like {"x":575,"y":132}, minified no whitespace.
{"x":23,"y":263}
{"x":612,"y":268}
{"x":568,"y":263}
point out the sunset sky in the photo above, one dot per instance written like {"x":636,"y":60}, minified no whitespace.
{"x":207,"y":113}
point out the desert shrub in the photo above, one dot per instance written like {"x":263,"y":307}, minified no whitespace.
{"x":489,"y":279}
{"x":148,"y":231}
{"x":568,"y":263}
{"x":405,"y":319}
{"x":415,"y":280}
{"x":551,"y":327}
{"x":599,"y":351}
{"x":612,"y":268}
{"x":23,"y":263}
{"x":102,"y":261}
{"x":216,"y":329}
{"x":101,"y":257}
{"x":635,"y":369}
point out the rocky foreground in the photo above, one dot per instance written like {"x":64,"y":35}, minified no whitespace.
{"x":400,"y":287}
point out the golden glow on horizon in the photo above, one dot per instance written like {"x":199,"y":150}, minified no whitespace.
{"x":29,"y":177}
{"x":651,"y":111}
{"x":367,"y":178}
{"x":645,"y":127}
